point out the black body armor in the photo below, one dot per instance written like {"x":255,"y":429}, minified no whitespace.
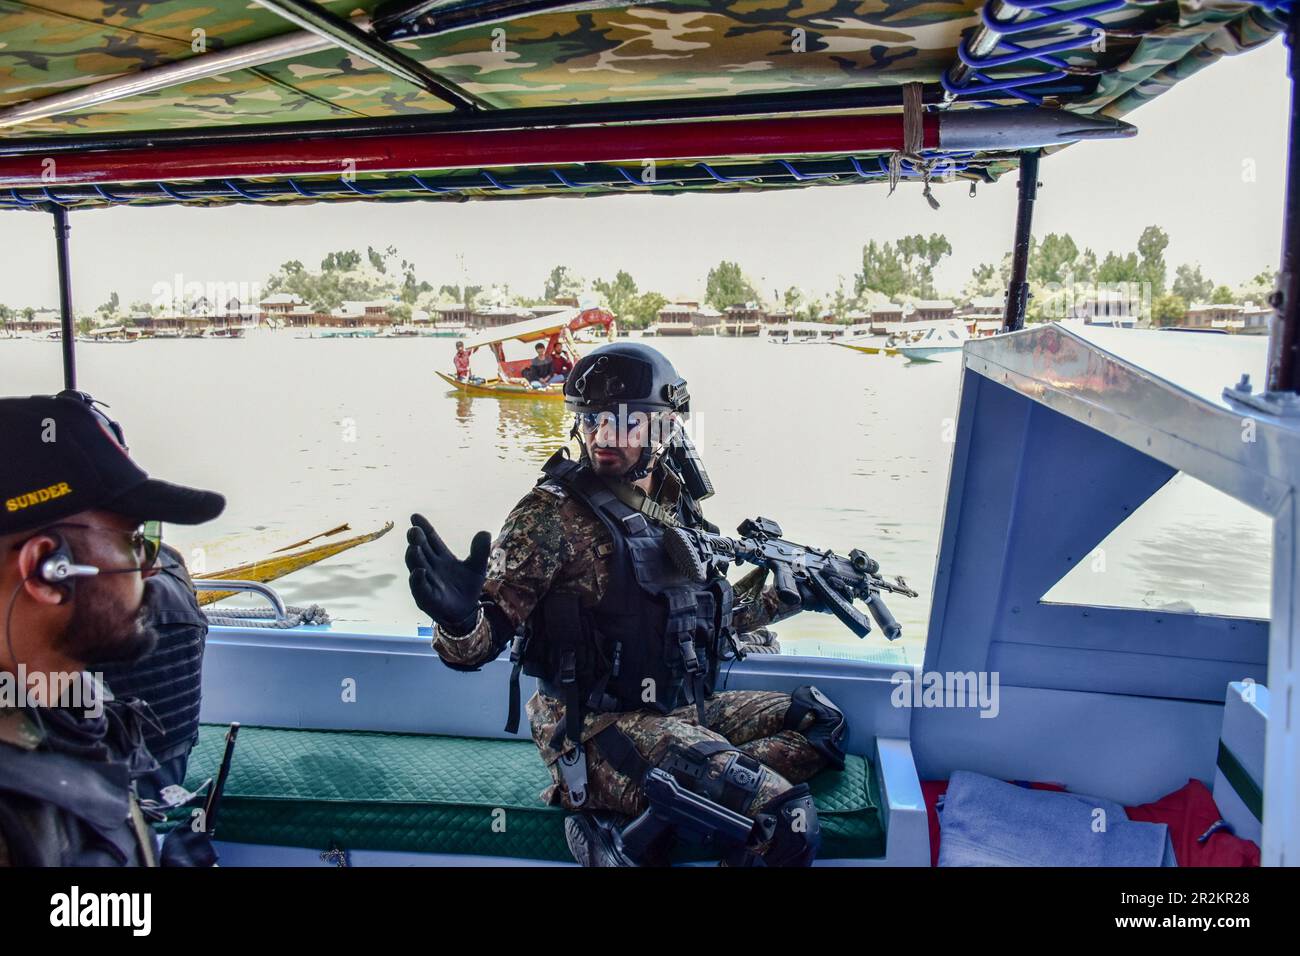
{"x":656,"y":639}
{"x":74,"y":805}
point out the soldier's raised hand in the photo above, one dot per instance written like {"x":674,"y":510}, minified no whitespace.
{"x":444,"y":587}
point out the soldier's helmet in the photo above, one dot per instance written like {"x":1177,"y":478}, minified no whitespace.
{"x":627,"y":374}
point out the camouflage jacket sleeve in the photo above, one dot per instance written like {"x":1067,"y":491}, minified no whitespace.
{"x":755,"y":605}
{"x":548,"y":542}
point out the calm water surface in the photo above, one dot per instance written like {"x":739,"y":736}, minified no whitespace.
{"x":842,"y":449}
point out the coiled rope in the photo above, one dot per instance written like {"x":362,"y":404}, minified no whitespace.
{"x":265,"y":617}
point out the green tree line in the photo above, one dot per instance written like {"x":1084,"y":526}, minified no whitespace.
{"x":899,"y":270}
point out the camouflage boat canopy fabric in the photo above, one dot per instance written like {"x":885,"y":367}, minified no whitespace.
{"x":1102,"y":57}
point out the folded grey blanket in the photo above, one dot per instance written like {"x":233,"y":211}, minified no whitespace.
{"x":987,"y":822}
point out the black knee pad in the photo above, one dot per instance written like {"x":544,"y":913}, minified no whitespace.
{"x":789,"y":827}
{"x":828,"y":728}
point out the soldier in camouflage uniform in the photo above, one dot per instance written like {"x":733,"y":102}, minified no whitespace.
{"x":749,"y":751}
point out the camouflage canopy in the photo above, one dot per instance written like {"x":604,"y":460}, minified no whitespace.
{"x":1098,"y":57}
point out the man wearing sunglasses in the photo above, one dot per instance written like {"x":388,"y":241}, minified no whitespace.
{"x":629,"y":716}
{"x":79,"y":539}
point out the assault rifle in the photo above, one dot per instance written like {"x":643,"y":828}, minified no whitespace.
{"x":834,"y":579}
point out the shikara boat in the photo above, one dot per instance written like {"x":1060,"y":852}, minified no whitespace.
{"x":881,"y":349}
{"x":555,"y":331}
{"x":287,"y":560}
{"x":1060,"y":435}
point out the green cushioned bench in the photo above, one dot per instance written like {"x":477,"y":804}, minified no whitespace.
{"x":360,"y":790}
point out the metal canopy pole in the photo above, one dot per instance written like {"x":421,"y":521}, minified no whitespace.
{"x":706,"y":107}
{"x":1018,"y":289}
{"x":955,"y":131}
{"x":66,"y":322}
{"x":344,"y":34}
{"x":1284,"y":340}
{"x":831,"y":135}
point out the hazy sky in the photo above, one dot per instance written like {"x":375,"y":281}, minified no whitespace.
{"x":1208,"y":165}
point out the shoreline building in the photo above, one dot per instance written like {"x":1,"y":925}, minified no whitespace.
{"x":277,"y":308}
{"x":495,"y":316}
{"x":931,"y":310}
{"x":1213,"y":315}
{"x":1256,"y":319}
{"x":453,"y":317}
{"x":371,"y":314}
{"x":742,"y":320}
{"x":41,"y":321}
{"x":684,"y":317}
{"x":1107,"y":307}
{"x":983,"y":315}
{"x":886,"y":318}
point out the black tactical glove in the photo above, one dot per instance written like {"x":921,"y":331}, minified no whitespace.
{"x":810,"y":600}
{"x":445,"y":588}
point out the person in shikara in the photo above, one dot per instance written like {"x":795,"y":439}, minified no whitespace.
{"x":80,"y":539}
{"x":629,"y":651}
{"x":461,"y":360}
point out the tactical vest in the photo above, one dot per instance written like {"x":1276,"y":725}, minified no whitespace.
{"x":59,"y":810}
{"x":653,"y":642}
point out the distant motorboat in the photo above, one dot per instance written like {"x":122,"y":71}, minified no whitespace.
{"x":934,"y":340}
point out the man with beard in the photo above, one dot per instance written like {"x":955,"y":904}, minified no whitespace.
{"x":627,"y":649}
{"x":80,"y":535}
{"x":170,"y":678}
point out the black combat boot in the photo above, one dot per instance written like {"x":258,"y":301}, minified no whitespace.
{"x":593,"y":840}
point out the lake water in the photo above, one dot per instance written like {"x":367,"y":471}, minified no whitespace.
{"x":843,"y":449}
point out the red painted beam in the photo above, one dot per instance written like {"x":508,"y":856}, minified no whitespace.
{"x":375,"y":154}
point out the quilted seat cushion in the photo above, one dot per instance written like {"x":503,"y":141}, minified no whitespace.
{"x":420,"y":793}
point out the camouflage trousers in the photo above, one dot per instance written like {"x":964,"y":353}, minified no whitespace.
{"x":751,"y":720}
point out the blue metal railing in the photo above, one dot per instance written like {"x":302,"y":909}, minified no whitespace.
{"x":1026,"y":38}
{"x":1028,"y":34}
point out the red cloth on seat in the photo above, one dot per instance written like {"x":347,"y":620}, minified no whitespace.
{"x":1189,"y":812}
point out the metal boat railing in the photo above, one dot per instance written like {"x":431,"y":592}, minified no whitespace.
{"x":251,"y":587}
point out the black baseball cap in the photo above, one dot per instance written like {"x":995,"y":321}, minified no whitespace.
{"x":59,"y":455}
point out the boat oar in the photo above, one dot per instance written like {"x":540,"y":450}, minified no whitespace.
{"x":323,"y":534}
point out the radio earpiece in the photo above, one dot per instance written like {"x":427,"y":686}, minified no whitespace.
{"x":58,"y":567}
